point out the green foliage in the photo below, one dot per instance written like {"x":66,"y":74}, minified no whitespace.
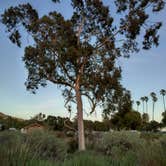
{"x":124,"y":117}
{"x":122,"y":148}
{"x":88,"y":125}
{"x":132,"y":120}
{"x":47,"y":146}
{"x":39,"y":117}
{"x":129,"y":120}
{"x":152,"y":153}
{"x":151,"y":126}
{"x":13,"y":151}
{"x":145,"y":118}
{"x":88,"y":159}
{"x":117,"y":143}
{"x":164,"y":118}
{"x":128,"y":147}
{"x":56,"y":123}
{"x":10,"y":122}
{"x":150,"y":136}
{"x":17,"y":148}
{"x":100,"y":126}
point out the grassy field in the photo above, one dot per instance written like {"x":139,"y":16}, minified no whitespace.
{"x":122,"y":148}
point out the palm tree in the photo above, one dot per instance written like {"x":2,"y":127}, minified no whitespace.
{"x":142,"y":99}
{"x":163,"y":93}
{"x":138,"y":103}
{"x":154,"y":99}
{"x":146,"y":100}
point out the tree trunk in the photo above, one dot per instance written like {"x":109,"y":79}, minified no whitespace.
{"x":81,"y":136}
{"x":153,"y":112}
{"x":164,"y":103}
{"x":146,"y":107}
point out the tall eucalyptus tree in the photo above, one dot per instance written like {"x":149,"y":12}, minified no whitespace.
{"x":79,"y":54}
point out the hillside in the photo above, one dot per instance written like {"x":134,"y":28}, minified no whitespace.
{"x":4,"y":116}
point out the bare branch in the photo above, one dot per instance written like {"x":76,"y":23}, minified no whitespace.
{"x":80,"y":30}
{"x":106,"y":40}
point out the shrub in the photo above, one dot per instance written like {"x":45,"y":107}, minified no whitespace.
{"x":151,"y":154}
{"x":163,"y":142}
{"x":72,"y":145}
{"x":118,"y":143}
{"x":150,"y":136}
{"x":47,"y":146}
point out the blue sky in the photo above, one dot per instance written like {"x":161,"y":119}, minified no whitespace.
{"x":142,"y":73}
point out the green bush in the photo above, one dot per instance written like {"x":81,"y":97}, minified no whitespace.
{"x":116,"y":143}
{"x":72,"y":145}
{"x":47,"y":146}
{"x":151,"y":154}
{"x":150,"y":136}
{"x":128,"y":147}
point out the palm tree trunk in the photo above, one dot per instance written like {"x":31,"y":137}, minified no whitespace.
{"x":153,"y":112}
{"x":164,"y":103}
{"x":81,"y":136}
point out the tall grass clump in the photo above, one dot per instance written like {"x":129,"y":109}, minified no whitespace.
{"x":47,"y":146}
{"x":130,"y":149}
{"x":118,"y":143}
{"x":86,"y":159}
{"x":13,"y":150}
{"x":17,"y":149}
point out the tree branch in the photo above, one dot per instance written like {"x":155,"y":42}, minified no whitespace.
{"x":80,"y":30}
{"x":60,"y":82}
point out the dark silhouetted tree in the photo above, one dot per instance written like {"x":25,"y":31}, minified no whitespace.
{"x":164,"y":118}
{"x":146,"y":101}
{"x":132,"y":120}
{"x":163,"y":93}
{"x":154,"y":99}
{"x":145,"y":118}
{"x":138,"y":104}
{"x":143,"y":106}
{"x":39,"y":117}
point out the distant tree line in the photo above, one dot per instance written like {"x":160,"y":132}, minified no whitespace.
{"x":117,"y":117}
{"x":154,"y":98}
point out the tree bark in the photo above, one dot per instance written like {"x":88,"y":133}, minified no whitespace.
{"x":81,"y":136}
{"x":164,"y":103}
{"x":146,"y":107}
{"x":153,"y":112}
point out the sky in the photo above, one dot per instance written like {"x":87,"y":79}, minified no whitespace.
{"x":142,"y":73}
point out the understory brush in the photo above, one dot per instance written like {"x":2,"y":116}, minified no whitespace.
{"x":118,"y":148}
